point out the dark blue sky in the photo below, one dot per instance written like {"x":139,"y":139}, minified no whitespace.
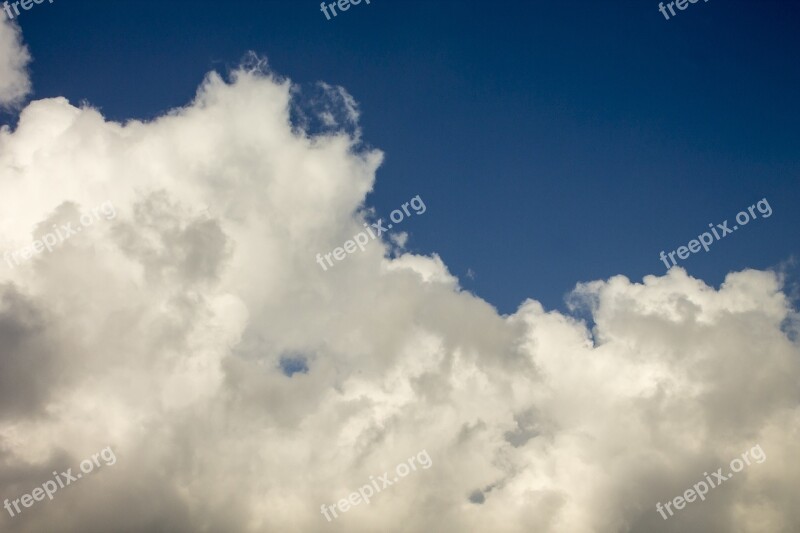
{"x":552,"y":142}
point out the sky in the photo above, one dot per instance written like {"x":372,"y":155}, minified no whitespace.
{"x":555,"y":143}
{"x":517,"y":331}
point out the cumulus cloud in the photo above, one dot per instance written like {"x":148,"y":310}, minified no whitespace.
{"x":241,"y":386}
{"x":14,"y":59}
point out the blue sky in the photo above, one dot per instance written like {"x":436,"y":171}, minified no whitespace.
{"x":190,"y":328}
{"x":552,"y":142}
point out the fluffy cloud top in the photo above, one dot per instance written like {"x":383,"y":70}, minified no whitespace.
{"x":166,"y":332}
{"x":14,"y":59}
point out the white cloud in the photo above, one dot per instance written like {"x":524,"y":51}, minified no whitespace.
{"x":14,"y":59}
{"x":161,"y":334}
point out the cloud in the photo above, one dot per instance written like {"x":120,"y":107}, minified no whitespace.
{"x":14,"y":59}
{"x":241,"y":386}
